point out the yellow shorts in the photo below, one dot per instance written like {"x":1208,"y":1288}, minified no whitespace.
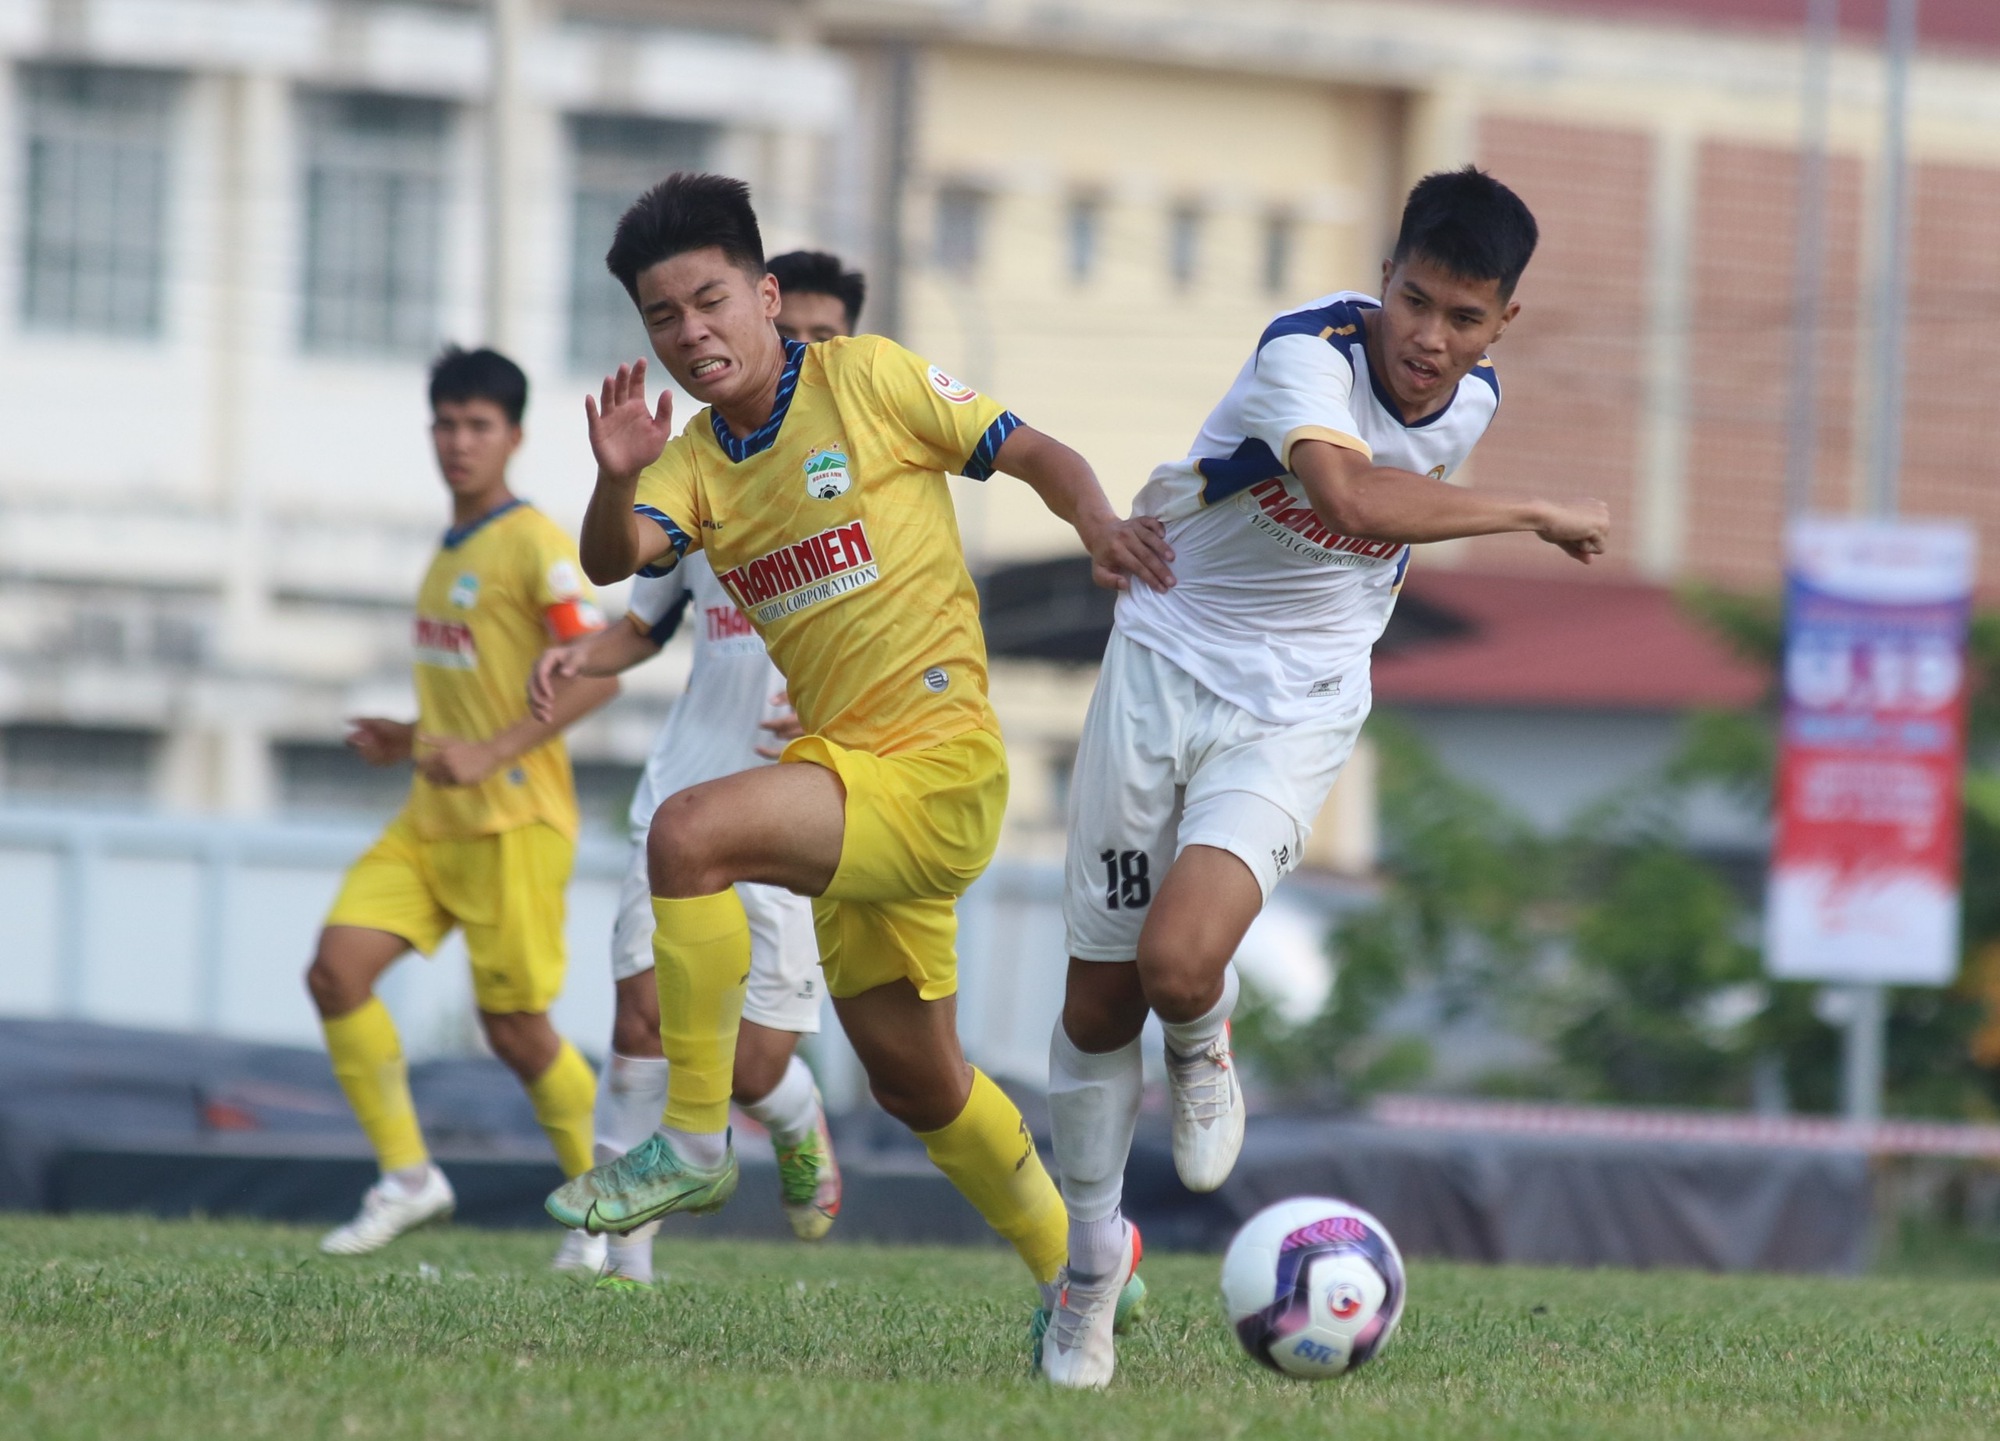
{"x":921,"y":827}
{"x":505,"y":890}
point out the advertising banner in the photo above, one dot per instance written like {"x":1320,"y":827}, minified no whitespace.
{"x":1865,"y":870}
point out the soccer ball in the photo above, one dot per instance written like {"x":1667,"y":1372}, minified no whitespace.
{"x":1314,"y":1287}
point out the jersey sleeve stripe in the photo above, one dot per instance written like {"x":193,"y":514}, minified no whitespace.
{"x":979,"y":465}
{"x":675,"y":534}
{"x":1332,"y":437}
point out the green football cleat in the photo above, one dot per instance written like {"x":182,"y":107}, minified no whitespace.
{"x":647,"y":1182}
{"x":809,"y":1180}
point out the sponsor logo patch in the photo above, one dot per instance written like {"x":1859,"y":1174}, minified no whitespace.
{"x":795,"y":577}
{"x":826,"y":474}
{"x":447,"y":644}
{"x":955,"y":391}
{"x":1327,"y":687}
{"x":464,"y":593}
{"x":1274,"y":511}
{"x":564,"y":583}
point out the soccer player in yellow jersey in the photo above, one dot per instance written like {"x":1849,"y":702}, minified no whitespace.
{"x":486,"y":840}
{"x":815,"y":482}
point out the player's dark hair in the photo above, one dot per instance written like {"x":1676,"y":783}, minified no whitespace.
{"x":1471,"y":225}
{"x":479,"y":375}
{"x":686,"y":211}
{"x":814,"y":272}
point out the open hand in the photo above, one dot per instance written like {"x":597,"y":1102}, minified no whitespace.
{"x":447,"y":761}
{"x":784,"y":728}
{"x":625,"y":435}
{"x":1581,"y":528}
{"x":554,"y":666}
{"x":380,"y":742}
{"x":1127,"y":548}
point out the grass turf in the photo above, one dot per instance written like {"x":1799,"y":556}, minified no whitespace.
{"x":138,"y":1328}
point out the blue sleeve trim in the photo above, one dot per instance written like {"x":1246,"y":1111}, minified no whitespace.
{"x":979,"y":466}
{"x":662,"y":630}
{"x":675,"y":534}
{"x":1339,"y":325}
{"x":1224,"y":476}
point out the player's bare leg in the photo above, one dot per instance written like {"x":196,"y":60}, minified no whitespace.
{"x":784,"y":825}
{"x":368,"y":1062}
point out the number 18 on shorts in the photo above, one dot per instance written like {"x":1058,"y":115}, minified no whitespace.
{"x":1165,"y":763}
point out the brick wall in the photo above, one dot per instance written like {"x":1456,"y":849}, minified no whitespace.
{"x":1740,"y":356}
{"x":1571,"y":368}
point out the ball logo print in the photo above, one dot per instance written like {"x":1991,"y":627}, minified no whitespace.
{"x":826,"y":474}
{"x":936,"y":680}
{"x":955,"y":391}
{"x":1314,"y":1287}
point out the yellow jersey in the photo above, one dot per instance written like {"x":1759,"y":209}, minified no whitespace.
{"x":499,"y":590}
{"x":832,"y":529}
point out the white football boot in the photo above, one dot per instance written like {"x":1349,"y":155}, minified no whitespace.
{"x":1078,"y":1350}
{"x":387,"y":1211}
{"x":1208,"y":1113}
{"x":580,"y":1252}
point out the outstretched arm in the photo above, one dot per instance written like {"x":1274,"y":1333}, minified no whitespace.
{"x":1354,"y":496}
{"x":608,"y":652}
{"x":1119,"y":549}
{"x":451,"y":761}
{"x":626,"y":436}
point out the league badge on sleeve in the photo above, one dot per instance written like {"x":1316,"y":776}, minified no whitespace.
{"x":564,"y":583}
{"x":955,"y":391}
{"x":826,"y":474}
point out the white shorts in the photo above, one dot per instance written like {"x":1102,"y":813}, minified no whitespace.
{"x":785,"y":983}
{"x":1165,"y":763}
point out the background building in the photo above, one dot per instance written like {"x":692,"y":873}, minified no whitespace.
{"x":233,"y":231}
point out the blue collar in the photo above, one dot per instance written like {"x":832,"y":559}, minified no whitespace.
{"x":760,"y":439}
{"x":459,"y":534}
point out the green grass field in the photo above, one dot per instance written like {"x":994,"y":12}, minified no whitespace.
{"x":129,"y":1329}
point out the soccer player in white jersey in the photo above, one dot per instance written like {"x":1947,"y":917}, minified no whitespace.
{"x":728,"y":719}
{"x":1227,"y":705}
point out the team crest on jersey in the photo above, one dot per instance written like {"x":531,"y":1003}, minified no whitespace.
{"x":464,"y":593}
{"x":1437,"y":472}
{"x":826,"y":474}
{"x":955,"y":391}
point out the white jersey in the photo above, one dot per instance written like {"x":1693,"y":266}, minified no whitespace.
{"x":713,"y":729}
{"x":1272,"y":611}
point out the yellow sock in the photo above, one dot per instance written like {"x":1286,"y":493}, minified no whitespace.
{"x":368,"y":1063}
{"x":565,"y":1101}
{"x":988,"y":1155}
{"x":701,"y":962}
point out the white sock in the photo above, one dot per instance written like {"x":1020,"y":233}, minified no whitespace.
{"x":1093,"y":1111}
{"x":631,"y":1255}
{"x":409,"y":1179}
{"x":702,"y":1149}
{"x":630,"y":1096}
{"x":1096,"y":1246}
{"x":1185,"y":1038}
{"x":790,"y":1112}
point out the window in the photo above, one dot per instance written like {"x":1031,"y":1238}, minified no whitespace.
{"x":79,"y":764}
{"x":1183,"y":244}
{"x":960,"y":240}
{"x":1086,"y":217}
{"x":1280,"y":236}
{"x":374,"y":223}
{"x":616,"y":158}
{"x":94,"y":231}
